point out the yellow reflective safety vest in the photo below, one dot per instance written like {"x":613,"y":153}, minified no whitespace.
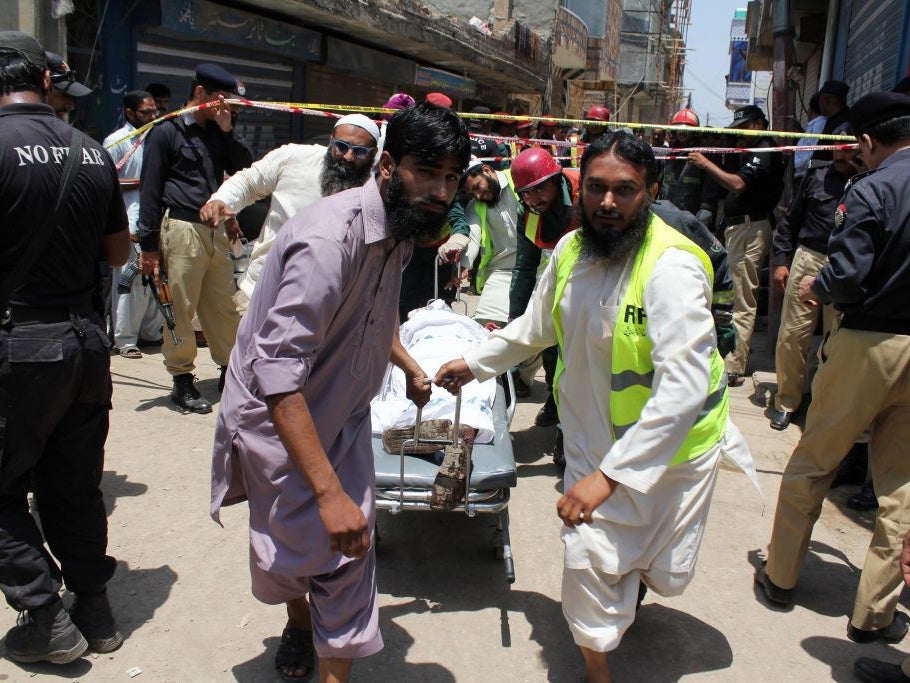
{"x":573,"y":151}
{"x":486,"y":242}
{"x":632,"y":371}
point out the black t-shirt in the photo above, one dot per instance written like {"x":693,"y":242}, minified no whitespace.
{"x":33,"y":148}
{"x":763,"y":174}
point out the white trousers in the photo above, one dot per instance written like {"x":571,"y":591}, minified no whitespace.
{"x":135,"y":314}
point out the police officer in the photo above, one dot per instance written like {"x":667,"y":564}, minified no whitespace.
{"x":865,"y":380}
{"x":801,"y":248}
{"x":754,"y":183}
{"x":184,"y":163}
{"x":66,"y":88}
{"x":55,"y":384}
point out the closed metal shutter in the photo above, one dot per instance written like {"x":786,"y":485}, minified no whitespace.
{"x":873,"y":42}
{"x":328,"y":86}
{"x":173,"y":61}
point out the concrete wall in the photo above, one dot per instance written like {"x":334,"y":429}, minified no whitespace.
{"x":35,"y":19}
{"x":538,"y":15}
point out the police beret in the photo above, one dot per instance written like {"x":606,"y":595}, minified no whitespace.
{"x":876,"y":108}
{"x":214,"y":77}
{"x":836,"y":88}
{"x":16,"y":46}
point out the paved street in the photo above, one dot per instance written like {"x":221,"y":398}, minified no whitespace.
{"x":181,"y":591}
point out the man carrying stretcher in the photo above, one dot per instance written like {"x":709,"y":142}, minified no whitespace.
{"x":641,"y":392}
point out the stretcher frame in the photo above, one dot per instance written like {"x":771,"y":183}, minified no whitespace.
{"x":400,"y":498}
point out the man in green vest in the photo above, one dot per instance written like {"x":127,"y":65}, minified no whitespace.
{"x":641,"y":390}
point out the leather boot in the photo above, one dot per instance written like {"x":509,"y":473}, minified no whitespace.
{"x":187,"y":396}
{"x":91,"y":613}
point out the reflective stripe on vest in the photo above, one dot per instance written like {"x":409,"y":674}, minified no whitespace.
{"x":573,"y":151}
{"x":486,"y":241}
{"x":632,"y":372}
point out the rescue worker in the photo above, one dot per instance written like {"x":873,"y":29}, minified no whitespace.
{"x":686,"y":186}
{"x":55,"y":383}
{"x":506,"y":127}
{"x":546,"y":213}
{"x":184,"y":163}
{"x":800,"y":249}
{"x":492,"y":215}
{"x":595,"y":113}
{"x":754,"y":183}
{"x":864,"y":382}
{"x":642,"y":395}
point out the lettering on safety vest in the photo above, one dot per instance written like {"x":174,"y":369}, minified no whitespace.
{"x":634,"y":315}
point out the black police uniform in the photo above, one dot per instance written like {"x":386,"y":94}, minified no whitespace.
{"x":55,"y":384}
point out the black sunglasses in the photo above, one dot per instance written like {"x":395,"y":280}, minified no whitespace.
{"x":358,"y":151}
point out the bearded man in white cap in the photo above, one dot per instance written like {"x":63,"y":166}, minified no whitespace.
{"x":295,"y":176}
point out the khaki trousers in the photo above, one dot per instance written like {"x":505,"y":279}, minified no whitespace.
{"x":797,"y":324}
{"x":864,"y":382}
{"x":748,"y":245}
{"x":201,"y":276}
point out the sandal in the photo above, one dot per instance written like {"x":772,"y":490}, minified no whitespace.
{"x":295,"y":651}
{"x":131,"y":352}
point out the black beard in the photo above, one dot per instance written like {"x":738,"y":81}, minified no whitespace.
{"x":615,"y":246}
{"x":337,"y":176}
{"x":495,"y":188}
{"x":408,"y":221}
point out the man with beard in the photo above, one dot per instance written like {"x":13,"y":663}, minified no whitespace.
{"x":293,"y":432}
{"x":295,"y":176}
{"x":689,"y":188}
{"x":492,"y":215}
{"x":642,"y":395}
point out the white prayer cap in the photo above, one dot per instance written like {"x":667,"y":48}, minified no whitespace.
{"x":360,"y":121}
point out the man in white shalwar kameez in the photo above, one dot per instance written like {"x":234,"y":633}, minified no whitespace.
{"x":635,"y":506}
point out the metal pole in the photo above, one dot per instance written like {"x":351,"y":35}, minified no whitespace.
{"x":782,"y":30}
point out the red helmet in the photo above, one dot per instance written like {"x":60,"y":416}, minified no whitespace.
{"x":685,"y":117}
{"x":533,"y":166}
{"x":598,"y":113}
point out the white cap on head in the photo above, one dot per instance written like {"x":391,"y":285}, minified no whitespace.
{"x":360,"y":121}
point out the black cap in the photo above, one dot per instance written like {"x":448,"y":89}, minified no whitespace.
{"x":214,"y":77}
{"x":876,"y":108}
{"x":750,"y":112}
{"x":16,"y":46}
{"x":64,"y":78}
{"x":836,"y":88}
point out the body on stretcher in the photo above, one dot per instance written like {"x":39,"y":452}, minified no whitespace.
{"x":406,"y":482}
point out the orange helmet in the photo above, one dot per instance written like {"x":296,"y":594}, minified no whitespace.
{"x":685,"y":117}
{"x":533,"y":166}
{"x":598,"y":113}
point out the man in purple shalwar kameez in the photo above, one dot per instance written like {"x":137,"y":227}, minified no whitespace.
{"x":293,"y":434}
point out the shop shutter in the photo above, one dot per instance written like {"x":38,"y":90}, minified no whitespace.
{"x":328,"y":86}
{"x":872,"y":46}
{"x":266,"y":77}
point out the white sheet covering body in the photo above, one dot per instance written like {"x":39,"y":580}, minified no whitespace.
{"x":432,"y":336}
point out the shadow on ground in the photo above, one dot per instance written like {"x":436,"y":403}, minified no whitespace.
{"x":116,"y":486}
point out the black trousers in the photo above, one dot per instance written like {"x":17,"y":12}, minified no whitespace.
{"x":55,"y":393}
{"x":417,"y":281}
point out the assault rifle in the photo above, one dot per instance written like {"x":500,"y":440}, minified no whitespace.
{"x":162,"y":294}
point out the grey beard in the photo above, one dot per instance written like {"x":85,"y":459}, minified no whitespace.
{"x":336,"y":177}
{"x":615,"y":247}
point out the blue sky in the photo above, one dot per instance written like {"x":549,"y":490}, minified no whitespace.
{"x":708,"y":58}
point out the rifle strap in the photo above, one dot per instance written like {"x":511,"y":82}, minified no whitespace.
{"x":42,"y":234}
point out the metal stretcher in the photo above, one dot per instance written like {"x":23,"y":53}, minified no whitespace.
{"x":405,"y":482}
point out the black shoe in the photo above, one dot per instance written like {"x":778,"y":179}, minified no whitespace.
{"x":91,"y":613}
{"x":187,"y":396}
{"x":782,"y":597}
{"x":221,"y":378}
{"x":864,"y":500}
{"x":734,"y":380}
{"x":852,"y":469}
{"x":892,"y":633}
{"x":780,"y":419}
{"x":548,"y":415}
{"x":877,"y":671}
{"x":559,"y":456}
{"x":522,"y":390}
{"x":45,"y":634}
